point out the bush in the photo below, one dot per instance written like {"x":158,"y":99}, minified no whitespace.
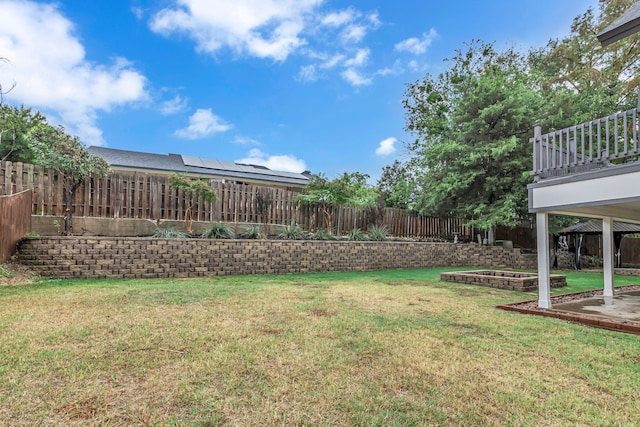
{"x":254,"y":232}
{"x":292,"y":231}
{"x":322,"y":235}
{"x":219,"y":230}
{"x":357,"y":235}
{"x":169,"y":233}
{"x":378,"y":233}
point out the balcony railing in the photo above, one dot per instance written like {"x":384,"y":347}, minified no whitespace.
{"x":593,"y":145}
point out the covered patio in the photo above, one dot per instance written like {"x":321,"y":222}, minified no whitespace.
{"x":590,"y":170}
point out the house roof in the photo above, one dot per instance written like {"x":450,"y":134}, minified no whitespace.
{"x":196,"y":165}
{"x":627,"y":24}
{"x":595,"y":227}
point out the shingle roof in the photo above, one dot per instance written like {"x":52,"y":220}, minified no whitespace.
{"x":196,"y":165}
{"x":627,"y":24}
{"x":595,"y":227}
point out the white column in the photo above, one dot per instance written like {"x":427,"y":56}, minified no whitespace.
{"x":607,"y":255}
{"x":544,"y":283}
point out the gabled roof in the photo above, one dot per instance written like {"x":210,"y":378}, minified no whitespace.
{"x":195,"y":165}
{"x":595,"y":227}
{"x":625,"y":25}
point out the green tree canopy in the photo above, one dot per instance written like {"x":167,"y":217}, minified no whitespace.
{"x":347,"y":189}
{"x":15,"y":123}
{"x":398,"y":185}
{"x":65,"y":154}
{"x":473,"y":123}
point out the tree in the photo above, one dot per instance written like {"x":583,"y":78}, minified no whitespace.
{"x":472,"y":124}
{"x":398,"y":186}
{"x":191,"y":188}
{"x":580,"y":79}
{"x":347,"y":189}
{"x":65,"y":154}
{"x":15,"y":124}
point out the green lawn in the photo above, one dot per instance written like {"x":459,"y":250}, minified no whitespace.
{"x":393,"y":348}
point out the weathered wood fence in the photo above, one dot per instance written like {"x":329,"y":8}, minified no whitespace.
{"x":15,"y":221}
{"x":151,"y":197}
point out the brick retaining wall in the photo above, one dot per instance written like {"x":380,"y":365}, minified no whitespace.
{"x":108,"y":257}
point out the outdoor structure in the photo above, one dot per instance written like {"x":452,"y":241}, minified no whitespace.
{"x":625,"y":25}
{"x":200,"y":167}
{"x":589,"y":170}
{"x":594,"y":227}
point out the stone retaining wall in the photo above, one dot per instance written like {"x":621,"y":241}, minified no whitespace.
{"x":108,"y":257}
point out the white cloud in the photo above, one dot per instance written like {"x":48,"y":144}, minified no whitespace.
{"x":203,"y":123}
{"x":263,"y":28}
{"x":360,"y":59}
{"x":243,"y":140}
{"x":308,"y":73}
{"x":340,"y":18}
{"x":386,"y":147}
{"x":285,"y":163}
{"x":173,"y":106}
{"x":355,"y":78}
{"x":137,"y":12}
{"x":353,"y":34}
{"x":415,"y":45}
{"x":52,"y":74}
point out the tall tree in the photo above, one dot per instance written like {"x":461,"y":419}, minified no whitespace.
{"x":472,"y":124}
{"x":580,"y":79}
{"x":398,"y":186}
{"x":65,"y":154}
{"x":15,"y":123}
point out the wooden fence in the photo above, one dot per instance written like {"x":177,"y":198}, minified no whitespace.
{"x":15,"y":221}
{"x":151,"y":197}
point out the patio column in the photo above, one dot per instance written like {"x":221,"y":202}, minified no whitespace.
{"x":607,"y":255}
{"x":544,"y":288}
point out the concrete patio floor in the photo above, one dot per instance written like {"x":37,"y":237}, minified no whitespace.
{"x":622,"y":306}
{"x":619,"y":313}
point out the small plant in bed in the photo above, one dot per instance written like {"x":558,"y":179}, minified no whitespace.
{"x":219,"y":230}
{"x":322,"y":235}
{"x":357,"y":235}
{"x":378,"y":233}
{"x":254,"y":232}
{"x":169,"y":233}
{"x":292,"y":232}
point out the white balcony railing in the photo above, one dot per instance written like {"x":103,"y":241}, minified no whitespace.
{"x":596,"y":144}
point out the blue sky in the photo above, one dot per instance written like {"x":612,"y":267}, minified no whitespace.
{"x":291,"y":84}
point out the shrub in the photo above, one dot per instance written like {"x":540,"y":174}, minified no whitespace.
{"x":254,"y":232}
{"x":292,"y":231}
{"x":5,"y":272}
{"x":219,"y":230}
{"x":322,"y":235}
{"x":357,"y":235}
{"x":378,"y":233}
{"x":168,"y":233}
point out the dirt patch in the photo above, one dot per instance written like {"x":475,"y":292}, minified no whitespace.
{"x":13,"y":273}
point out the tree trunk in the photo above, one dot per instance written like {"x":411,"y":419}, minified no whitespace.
{"x":68,"y":210}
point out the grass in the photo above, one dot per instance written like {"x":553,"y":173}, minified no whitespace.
{"x":393,"y":348}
